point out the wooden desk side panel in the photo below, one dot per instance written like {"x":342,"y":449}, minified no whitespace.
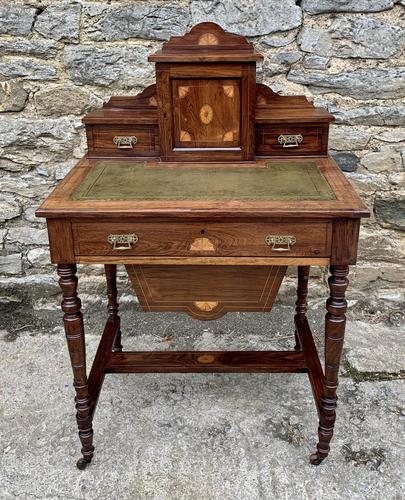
{"x":345,"y":237}
{"x":61,"y":241}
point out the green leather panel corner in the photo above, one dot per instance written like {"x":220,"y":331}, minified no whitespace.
{"x":124,"y":180}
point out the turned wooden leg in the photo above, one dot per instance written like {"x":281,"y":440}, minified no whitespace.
{"x":301,"y":304}
{"x":73,"y":321}
{"x":335,"y":322}
{"x":111,"y":276}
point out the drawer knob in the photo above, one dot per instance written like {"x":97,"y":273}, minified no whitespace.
{"x":280,"y":243}
{"x":290,"y":141}
{"x":122,"y":241}
{"x":125,"y":141}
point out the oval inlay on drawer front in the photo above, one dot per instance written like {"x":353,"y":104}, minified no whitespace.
{"x":281,"y":239}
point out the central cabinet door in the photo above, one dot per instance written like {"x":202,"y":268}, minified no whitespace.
{"x":207,"y":112}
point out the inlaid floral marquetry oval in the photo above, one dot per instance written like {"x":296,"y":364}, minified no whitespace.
{"x":205,"y":305}
{"x":208,"y":39}
{"x":206,"y":114}
{"x":202,"y":245}
{"x":206,"y":359}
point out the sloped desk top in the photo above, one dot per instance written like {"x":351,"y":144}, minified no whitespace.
{"x":280,"y":187}
{"x":117,"y":180}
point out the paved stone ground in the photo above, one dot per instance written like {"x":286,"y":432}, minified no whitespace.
{"x":201,"y":436}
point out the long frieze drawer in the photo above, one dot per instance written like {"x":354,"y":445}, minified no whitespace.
{"x":199,"y":239}
{"x":291,"y":140}
{"x":126,"y":140}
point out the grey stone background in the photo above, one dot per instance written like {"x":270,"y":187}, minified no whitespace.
{"x":199,"y":437}
{"x":61,"y":59}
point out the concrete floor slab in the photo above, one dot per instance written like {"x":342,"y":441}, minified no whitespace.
{"x":192,"y":436}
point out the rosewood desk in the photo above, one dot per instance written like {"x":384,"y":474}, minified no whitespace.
{"x":206,"y":186}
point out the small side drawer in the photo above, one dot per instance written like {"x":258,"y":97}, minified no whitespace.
{"x":115,"y":140}
{"x":276,"y":239}
{"x":291,"y":140}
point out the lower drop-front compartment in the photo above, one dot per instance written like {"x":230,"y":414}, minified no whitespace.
{"x":206,"y":291}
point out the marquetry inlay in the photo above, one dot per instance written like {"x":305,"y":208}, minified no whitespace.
{"x":183,"y":91}
{"x":228,"y":90}
{"x":206,"y":114}
{"x":202,"y":245}
{"x":228,"y":136}
{"x":153,"y":101}
{"x":206,"y":306}
{"x":206,"y":359}
{"x":185,"y":136}
{"x":208,"y":39}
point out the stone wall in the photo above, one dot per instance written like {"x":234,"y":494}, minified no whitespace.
{"x":61,"y":59}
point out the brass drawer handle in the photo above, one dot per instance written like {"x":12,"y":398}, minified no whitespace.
{"x":122,"y":241}
{"x":290,"y":141}
{"x":124,"y":141}
{"x":274,"y":240}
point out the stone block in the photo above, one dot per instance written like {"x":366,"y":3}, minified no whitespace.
{"x":27,"y":235}
{"x":377,"y":83}
{"x":127,"y":66}
{"x":278,"y":39}
{"x":10,"y":264}
{"x":372,"y":115}
{"x":382,"y":246}
{"x":27,"y":185}
{"x":144,"y":19}
{"x":9,"y":208}
{"x":16,"y":19}
{"x":20,"y":137}
{"x":353,"y":36}
{"x":248,"y":17}
{"x":287,"y":58}
{"x":315,"y":62}
{"x":60,"y":21}
{"x":348,"y":162}
{"x":326,"y":6}
{"x":389,"y":209}
{"x":45,"y":49}
{"x":366,"y":184}
{"x":385,"y":159}
{"x":392,"y":135}
{"x":27,"y":69}
{"x":13,"y":97}
{"x":10,"y":166}
{"x":64,"y":100}
{"x":343,"y":138}
{"x":39,"y":257}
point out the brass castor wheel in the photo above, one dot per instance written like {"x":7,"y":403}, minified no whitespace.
{"x":82,"y":463}
{"x":315,"y":459}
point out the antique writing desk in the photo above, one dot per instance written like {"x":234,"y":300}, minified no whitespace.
{"x":206,"y":186}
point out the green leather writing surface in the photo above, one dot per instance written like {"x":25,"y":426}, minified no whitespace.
{"x":125,"y":180}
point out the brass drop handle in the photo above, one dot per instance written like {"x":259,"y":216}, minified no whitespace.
{"x":124,"y":141}
{"x":290,"y":141}
{"x":274,"y":240}
{"x":122,"y":241}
